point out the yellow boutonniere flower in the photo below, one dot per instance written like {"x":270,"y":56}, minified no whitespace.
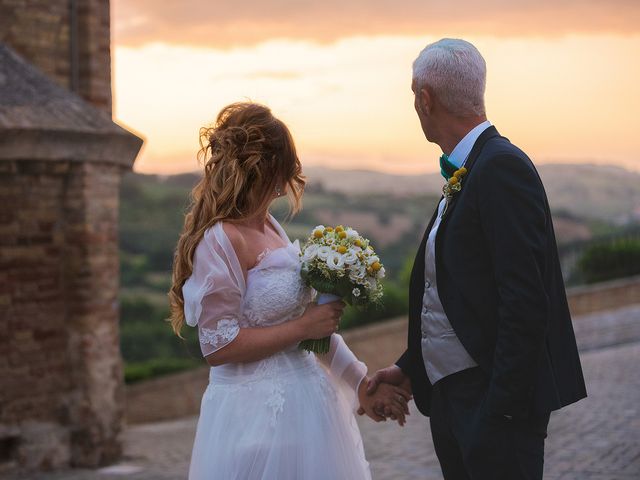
{"x":454,"y":184}
{"x":461,"y":172}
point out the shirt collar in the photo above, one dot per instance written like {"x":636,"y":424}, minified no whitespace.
{"x":462,"y":150}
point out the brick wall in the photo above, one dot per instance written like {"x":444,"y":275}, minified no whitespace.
{"x":60,"y":368}
{"x":61,"y":160}
{"x":94,"y":39}
{"x":40,"y":31}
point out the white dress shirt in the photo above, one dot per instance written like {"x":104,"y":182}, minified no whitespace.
{"x":442,"y":351}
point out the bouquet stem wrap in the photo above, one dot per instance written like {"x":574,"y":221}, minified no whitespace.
{"x":320,"y":345}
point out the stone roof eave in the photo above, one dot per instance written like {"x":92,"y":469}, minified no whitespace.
{"x":68,"y":145}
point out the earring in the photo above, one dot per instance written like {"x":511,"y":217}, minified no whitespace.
{"x":278,"y":191}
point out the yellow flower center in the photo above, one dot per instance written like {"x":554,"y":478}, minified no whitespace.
{"x":342,"y":249}
{"x":339,"y":228}
{"x":358,"y":243}
{"x":376,"y":266}
{"x":342,"y":234}
{"x":317,"y":234}
{"x":328,"y":229}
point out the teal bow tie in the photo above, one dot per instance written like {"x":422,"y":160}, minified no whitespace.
{"x":446,"y":167}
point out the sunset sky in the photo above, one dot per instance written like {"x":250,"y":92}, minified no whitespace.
{"x":563,"y":76}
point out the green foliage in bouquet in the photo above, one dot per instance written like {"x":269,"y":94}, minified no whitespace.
{"x":341,"y":287}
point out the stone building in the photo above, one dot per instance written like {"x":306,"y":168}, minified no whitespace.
{"x":61,"y":161}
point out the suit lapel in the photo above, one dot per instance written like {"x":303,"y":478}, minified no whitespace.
{"x":473,"y":156}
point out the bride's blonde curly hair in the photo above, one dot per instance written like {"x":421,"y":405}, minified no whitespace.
{"x":248,"y":155}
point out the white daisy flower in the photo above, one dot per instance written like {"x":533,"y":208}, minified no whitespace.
{"x":356,"y":292}
{"x":350,"y":257}
{"x":373,"y":259}
{"x":318,"y":232}
{"x":360,"y":272}
{"x":310,"y":252}
{"x":323,"y":252}
{"x":335,"y":261}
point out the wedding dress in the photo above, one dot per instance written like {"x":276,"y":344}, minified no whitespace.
{"x":289,"y":416}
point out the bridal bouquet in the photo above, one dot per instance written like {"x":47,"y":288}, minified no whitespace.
{"x":340,"y":265}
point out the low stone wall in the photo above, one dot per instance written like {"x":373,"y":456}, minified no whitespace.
{"x":604,"y":296}
{"x":377,"y":345}
{"x":166,"y":397}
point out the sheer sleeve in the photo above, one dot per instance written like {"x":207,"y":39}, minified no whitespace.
{"x":213,"y":292}
{"x":343,"y":366}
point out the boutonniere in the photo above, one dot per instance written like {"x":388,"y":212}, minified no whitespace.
{"x":453,"y":186}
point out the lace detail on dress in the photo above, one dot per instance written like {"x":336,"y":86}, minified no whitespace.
{"x":267,"y":369}
{"x":276,"y":297}
{"x":263,"y":254}
{"x":275,"y":402}
{"x":225,"y":331}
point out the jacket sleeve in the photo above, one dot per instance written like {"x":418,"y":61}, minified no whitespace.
{"x":513,"y":217}
{"x":404,"y":362}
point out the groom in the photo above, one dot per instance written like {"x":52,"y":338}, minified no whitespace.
{"x":491,"y":349}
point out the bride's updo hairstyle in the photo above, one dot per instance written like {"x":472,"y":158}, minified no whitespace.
{"x":248,"y":155}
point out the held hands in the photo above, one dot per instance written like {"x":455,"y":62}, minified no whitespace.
{"x":320,"y":321}
{"x":385,"y":395}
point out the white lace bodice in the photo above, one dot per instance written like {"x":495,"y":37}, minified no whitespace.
{"x":274,"y":294}
{"x":275,"y":291}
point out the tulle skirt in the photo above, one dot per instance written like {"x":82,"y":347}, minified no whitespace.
{"x":283,"y":418}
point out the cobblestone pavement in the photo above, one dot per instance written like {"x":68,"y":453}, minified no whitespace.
{"x":595,"y":439}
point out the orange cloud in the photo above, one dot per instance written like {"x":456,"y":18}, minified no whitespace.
{"x":224,"y":24}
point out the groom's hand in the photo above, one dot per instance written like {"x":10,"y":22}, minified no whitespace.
{"x":392,"y":375}
{"x":387,"y":398}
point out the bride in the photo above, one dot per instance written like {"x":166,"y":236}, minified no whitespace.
{"x":270,"y":411}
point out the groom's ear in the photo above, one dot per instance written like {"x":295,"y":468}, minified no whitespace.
{"x":425,"y":101}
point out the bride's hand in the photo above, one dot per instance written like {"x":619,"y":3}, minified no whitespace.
{"x":319,"y":321}
{"x":388,"y":401}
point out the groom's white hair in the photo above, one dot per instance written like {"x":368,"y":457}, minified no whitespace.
{"x":455,"y":72}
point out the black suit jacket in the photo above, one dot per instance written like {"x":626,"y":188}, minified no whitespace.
{"x":501,"y":287}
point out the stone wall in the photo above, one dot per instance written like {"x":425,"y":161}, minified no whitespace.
{"x":377,"y":345}
{"x":41,"y":31}
{"x":604,"y":296}
{"x":60,"y":371}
